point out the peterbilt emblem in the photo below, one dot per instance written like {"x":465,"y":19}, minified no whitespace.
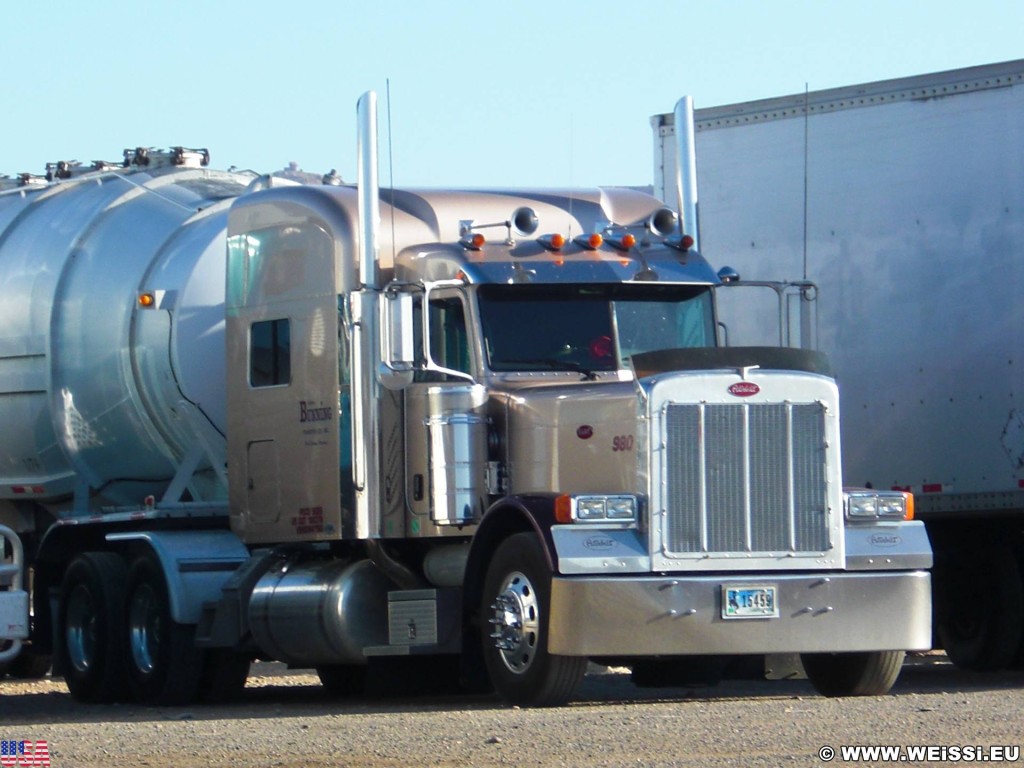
{"x":585,"y":432}
{"x":885,"y":540}
{"x":598,"y":542}
{"x":744,"y":389}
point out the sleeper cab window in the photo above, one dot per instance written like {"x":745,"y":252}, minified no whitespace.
{"x":270,"y":353}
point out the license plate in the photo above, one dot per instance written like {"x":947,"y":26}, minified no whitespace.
{"x":749,"y":602}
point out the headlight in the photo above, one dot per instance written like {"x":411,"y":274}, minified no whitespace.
{"x":596,"y":509}
{"x":879,"y":505}
{"x":591,"y":509}
{"x":622,"y":508}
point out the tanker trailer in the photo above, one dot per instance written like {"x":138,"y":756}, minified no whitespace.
{"x":103,"y":406}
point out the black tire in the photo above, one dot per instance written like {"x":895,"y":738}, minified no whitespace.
{"x":406,"y":676}
{"x":164,"y":665}
{"x":682,"y":672}
{"x":30,"y":665}
{"x":225,"y":673}
{"x":5,"y":665}
{"x":979,"y":608}
{"x":91,"y":626}
{"x":514,"y":613}
{"x":1018,"y":659}
{"x":343,"y":680}
{"x":870,"y":673}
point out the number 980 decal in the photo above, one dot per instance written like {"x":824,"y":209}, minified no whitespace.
{"x":622,"y":443}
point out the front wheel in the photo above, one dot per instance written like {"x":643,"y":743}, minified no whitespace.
{"x":853,"y":674}
{"x":515,"y":613}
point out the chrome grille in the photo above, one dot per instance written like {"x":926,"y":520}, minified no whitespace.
{"x":746,"y":478}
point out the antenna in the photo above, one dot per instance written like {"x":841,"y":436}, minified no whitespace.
{"x":572,"y":193}
{"x":391,"y":175}
{"x":806,"y":117}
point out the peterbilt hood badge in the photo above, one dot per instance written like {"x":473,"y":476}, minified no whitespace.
{"x":885,"y":540}
{"x":744,"y":389}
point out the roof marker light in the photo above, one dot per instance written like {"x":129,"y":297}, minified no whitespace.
{"x":681,"y":243}
{"x":624,"y":242}
{"x":552,"y":242}
{"x":589,"y":242}
{"x":473,"y":241}
{"x":147,"y":300}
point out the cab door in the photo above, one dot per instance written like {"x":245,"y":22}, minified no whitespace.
{"x":446,"y":423}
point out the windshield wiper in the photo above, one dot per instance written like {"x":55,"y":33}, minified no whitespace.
{"x":572,"y":365}
{"x":555,"y":365}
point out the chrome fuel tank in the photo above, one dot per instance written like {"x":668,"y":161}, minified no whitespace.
{"x":92,"y":385}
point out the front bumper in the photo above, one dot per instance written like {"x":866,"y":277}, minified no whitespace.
{"x":682,"y":615}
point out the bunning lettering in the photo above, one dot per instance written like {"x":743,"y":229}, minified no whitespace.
{"x":309,"y":412}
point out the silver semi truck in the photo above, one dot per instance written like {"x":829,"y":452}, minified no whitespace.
{"x":361,"y":430}
{"x":903,"y":202}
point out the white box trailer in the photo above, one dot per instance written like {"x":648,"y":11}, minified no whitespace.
{"x":903,"y":202}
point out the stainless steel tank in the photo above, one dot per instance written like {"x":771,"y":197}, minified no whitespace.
{"x":92,"y":385}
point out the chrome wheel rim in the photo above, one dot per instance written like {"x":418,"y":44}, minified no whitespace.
{"x":145,"y":628}
{"x":515,"y":618}
{"x":80,"y":629}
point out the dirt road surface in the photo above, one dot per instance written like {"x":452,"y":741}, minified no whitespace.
{"x":286,"y":719}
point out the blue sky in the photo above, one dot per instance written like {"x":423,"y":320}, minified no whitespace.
{"x":482,"y":93}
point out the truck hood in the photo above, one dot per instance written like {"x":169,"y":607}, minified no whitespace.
{"x":574,"y":438}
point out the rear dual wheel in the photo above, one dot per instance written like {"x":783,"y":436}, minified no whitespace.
{"x":164,"y":665}
{"x":91,"y":614}
{"x":120,"y":641}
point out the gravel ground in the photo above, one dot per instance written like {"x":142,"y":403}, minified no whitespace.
{"x":287,"y":719}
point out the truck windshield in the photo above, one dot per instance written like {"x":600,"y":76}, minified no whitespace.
{"x":590,"y":328}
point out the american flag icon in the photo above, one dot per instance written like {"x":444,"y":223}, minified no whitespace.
{"x":24,"y":754}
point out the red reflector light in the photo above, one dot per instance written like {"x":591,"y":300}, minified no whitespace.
{"x":687,"y":242}
{"x":37,"y":490}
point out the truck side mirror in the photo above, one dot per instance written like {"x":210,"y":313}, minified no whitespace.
{"x":398,"y":354}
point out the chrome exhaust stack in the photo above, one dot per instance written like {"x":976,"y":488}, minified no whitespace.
{"x":686,"y":169}
{"x":368,"y":190}
{"x":365,"y":304}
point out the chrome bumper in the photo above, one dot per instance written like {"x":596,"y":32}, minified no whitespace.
{"x":682,"y":615}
